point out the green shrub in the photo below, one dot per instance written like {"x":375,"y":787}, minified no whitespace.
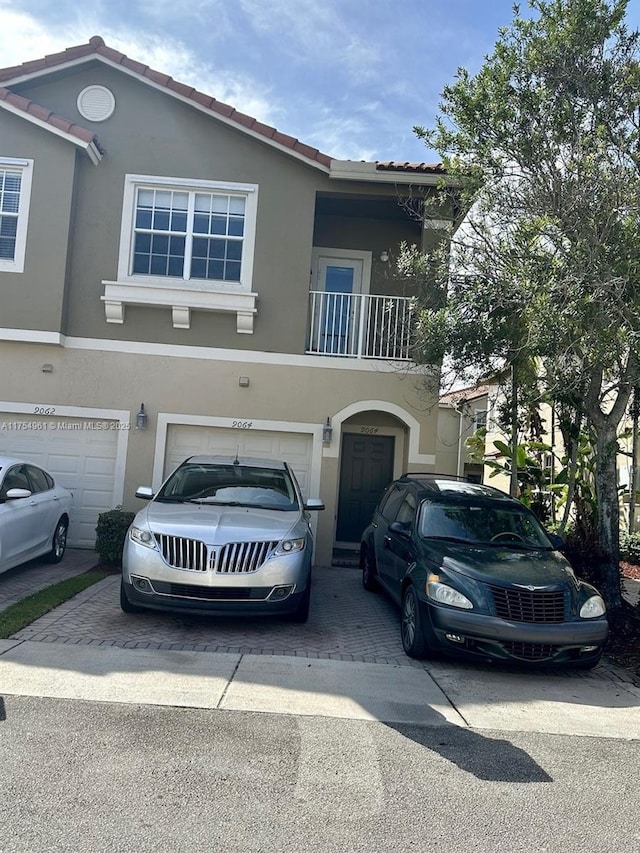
{"x":111,"y":531}
{"x":630,"y":548}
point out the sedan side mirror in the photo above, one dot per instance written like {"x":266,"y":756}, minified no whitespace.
{"x":144,"y":492}
{"x":314,"y":504}
{"x":16,"y":494}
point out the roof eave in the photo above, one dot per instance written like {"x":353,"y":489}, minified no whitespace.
{"x":356,"y":170}
{"x":229,"y":122}
{"x":91,"y":147}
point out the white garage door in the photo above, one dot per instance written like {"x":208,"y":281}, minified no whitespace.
{"x":294,"y":448}
{"x":77,"y":456}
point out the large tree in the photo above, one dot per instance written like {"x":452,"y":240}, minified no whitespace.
{"x":545,"y":138}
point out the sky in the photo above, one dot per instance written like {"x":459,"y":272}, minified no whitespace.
{"x":350,"y":77}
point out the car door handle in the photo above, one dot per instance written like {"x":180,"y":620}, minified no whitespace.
{"x":387,"y":541}
{"x":33,"y":503}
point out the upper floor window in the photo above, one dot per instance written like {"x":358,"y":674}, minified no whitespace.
{"x":195,"y":232}
{"x":15,"y":192}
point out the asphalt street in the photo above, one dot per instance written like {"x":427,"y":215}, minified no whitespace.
{"x":150,"y":732}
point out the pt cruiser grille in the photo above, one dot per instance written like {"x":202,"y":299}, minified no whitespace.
{"x":183,"y":553}
{"x":530,"y":651}
{"x":239,"y":558}
{"x":523,"y":605}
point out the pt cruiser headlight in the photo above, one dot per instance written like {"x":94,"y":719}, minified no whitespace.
{"x":444,"y":594}
{"x":592,"y":608}
{"x":142,"y":537}
{"x":288,"y":546}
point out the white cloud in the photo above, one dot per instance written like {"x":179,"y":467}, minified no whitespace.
{"x":309,"y":30}
{"x":23,"y":38}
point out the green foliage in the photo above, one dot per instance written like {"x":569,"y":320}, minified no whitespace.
{"x":630,"y":548}
{"x":111,"y":531}
{"x":24,"y":612}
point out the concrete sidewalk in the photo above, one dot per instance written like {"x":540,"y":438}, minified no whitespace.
{"x":442,"y":696}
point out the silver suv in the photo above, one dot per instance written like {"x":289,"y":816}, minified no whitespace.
{"x":222,"y":535}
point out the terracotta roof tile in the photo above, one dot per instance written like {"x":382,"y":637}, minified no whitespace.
{"x":44,"y":114}
{"x":97,"y":46}
{"x":394,"y":166}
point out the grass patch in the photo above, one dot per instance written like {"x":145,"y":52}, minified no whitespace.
{"x":23,"y":613}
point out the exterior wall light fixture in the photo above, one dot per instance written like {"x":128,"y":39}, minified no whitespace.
{"x":327,"y":432}
{"x":384,"y":256}
{"x":141,"y":418}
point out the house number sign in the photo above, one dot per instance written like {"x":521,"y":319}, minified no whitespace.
{"x":242,"y":424}
{"x":369,"y":430}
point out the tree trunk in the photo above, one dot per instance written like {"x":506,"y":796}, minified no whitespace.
{"x":513,"y":485}
{"x":633,"y":480}
{"x":608,"y":558}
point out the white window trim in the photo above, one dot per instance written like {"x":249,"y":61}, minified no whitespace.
{"x":183,"y":296}
{"x":26,"y":167}
{"x":318,"y":252}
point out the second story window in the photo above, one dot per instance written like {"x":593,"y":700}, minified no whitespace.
{"x":176,"y":229}
{"x":15,"y":190}
{"x":189,"y":234}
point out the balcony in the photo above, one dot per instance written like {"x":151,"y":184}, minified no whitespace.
{"x":359,"y":325}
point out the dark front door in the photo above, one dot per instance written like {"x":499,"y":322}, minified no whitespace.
{"x":366,"y":470}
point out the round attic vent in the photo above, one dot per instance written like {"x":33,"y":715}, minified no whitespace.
{"x":96,"y":103}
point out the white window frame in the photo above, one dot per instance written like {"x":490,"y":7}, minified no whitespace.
{"x":180,"y":294}
{"x":26,"y":168}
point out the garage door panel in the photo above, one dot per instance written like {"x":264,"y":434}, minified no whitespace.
{"x":82,"y":460}
{"x":294,"y":448}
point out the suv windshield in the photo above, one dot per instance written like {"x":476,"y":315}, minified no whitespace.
{"x":235,"y":485}
{"x":481,"y":524}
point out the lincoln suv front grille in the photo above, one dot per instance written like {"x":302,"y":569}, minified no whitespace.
{"x":183,"y":553}
{"x":523,"y":605}
{"x":240,"y":558}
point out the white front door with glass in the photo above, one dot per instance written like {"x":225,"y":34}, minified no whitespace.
{"x":340,"y":279}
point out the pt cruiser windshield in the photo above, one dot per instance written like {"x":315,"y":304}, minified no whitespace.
{"x":481,"y":525}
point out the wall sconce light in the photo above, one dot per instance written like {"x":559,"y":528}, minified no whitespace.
{"x":384,"y":256}
{"x":141,"y":418}
{"x":243,"y":381}
{"x":327,"y":432}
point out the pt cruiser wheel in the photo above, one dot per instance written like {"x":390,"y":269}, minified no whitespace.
{"x":411,"y":625}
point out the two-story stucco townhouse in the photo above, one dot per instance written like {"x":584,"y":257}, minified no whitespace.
{"x":160,"y":249}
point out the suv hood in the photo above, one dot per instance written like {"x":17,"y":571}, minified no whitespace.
{"x":488,"y":564}
{"x":217,"y":524}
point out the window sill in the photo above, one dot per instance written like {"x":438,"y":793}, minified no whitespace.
{"x":182,"y":300}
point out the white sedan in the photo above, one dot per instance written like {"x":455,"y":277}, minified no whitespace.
{"x":34,"y":514}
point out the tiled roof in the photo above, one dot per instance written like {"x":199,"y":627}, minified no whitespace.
{"x":86,"y":139}
{"x":425,"y":168}
{"x":96,"y":46}
{"x":46,"y":115}
{"x":453,"y":398}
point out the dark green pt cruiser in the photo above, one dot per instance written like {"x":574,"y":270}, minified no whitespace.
{"x":476,"y":575}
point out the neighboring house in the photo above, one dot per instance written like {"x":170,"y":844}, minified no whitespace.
{"x":460,"y":414}
{"x":159,"y":249}
{"x":464,"y":411}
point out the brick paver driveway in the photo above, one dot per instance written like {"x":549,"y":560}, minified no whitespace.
{"x":345,"y":623}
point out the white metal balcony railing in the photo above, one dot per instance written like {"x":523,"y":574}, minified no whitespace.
{"x":360,"y":325}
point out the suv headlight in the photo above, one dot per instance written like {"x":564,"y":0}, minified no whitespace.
{"x":142,"y":537}
{"x":289,"y":546}
{"x":593,"y":607}
{"x":444,"y":594}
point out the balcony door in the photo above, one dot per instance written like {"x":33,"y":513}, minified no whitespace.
{"x":340,"y":277}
